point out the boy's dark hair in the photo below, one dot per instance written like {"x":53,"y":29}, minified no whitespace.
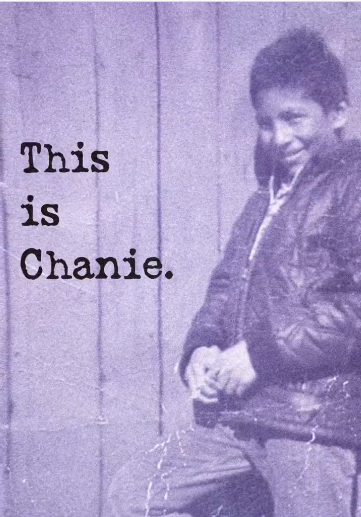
{"x":300,"y":59}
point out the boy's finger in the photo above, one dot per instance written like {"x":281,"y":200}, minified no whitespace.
{"x":212,"y":382}
{"x":232,"y":386}
{"x":199,"y":373}
{"x":241,"y":388}
{"x":208,"y":391}
{"x":222,"y":379}
{"x":206,"y":400}
{"x":192,"y":382}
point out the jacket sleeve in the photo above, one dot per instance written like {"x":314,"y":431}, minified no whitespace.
{"x":319,"y":330}
{"x":207,"y":328}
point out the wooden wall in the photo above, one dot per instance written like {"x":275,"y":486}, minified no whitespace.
{"x":87,"y":371}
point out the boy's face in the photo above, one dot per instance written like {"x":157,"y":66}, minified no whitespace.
{"x":295,"y":128}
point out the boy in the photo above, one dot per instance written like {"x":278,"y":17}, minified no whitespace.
{"x":276,"y":347}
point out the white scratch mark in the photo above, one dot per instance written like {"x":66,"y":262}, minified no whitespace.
{"x":180,"y":443}
{"x":159,"y":466}
{"x":308,"y":453}
{"x":218,"y":511}
{"x":149,"y":491}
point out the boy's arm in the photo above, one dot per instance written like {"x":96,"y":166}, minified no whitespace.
{"x":207,"y":327}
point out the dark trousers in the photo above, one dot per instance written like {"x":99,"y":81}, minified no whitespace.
{"x":216,"y":471}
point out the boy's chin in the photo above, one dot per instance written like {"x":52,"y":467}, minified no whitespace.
{"x":296,"y":166}
{"x":294,"y":169}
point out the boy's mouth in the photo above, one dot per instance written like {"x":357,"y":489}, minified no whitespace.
{"x":290,"y":157}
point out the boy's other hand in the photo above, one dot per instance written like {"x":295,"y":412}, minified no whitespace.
{"x":233,"y":372}
{"x":197,"y":374}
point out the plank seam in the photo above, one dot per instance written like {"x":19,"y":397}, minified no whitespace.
{"x":99,"y":338}
{"x":218,"y":134}
{"x":159,"y":223}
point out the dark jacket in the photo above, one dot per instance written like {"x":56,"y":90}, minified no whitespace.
{"x":297,"y":305}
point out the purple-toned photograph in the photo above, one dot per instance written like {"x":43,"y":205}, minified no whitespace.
{"x":180,"y":259}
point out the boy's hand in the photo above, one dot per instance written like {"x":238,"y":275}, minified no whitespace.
{"x":232,"y":372}
{"x":197,"y":374}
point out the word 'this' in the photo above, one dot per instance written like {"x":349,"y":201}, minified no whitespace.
{"x":99,"y":159}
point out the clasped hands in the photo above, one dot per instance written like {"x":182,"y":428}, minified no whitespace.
{"x":211,"y":371}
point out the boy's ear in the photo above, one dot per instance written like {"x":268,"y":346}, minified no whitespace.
{"x":339,"y":116}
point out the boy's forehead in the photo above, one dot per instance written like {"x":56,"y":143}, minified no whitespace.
{"x":277,"y":98}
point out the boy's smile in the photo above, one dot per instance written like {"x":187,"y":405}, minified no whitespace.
{"x":294,"y":128}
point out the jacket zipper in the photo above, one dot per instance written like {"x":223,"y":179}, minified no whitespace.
{"x":252,"y":254}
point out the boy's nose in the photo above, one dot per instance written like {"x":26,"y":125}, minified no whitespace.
{"x":282,"y":135}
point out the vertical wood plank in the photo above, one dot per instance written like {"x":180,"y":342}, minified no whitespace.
{"x":50,"y":99}
{"x":338,"y":25}
{"x":4,"y":351}
{"x":330,"y":19}
{"x":126,"y":47}
{"x":189,"y":181}
{"x":5,"y":309}
{"x":244,"y":28}
{"x":7,"y":40}
{"x":352,"y":39}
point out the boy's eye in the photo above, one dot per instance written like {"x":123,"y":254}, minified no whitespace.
{"x":264,"y":124}
{"x":293,"y":118}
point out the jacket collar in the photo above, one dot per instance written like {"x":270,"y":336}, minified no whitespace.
{"x":345,"y":153}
